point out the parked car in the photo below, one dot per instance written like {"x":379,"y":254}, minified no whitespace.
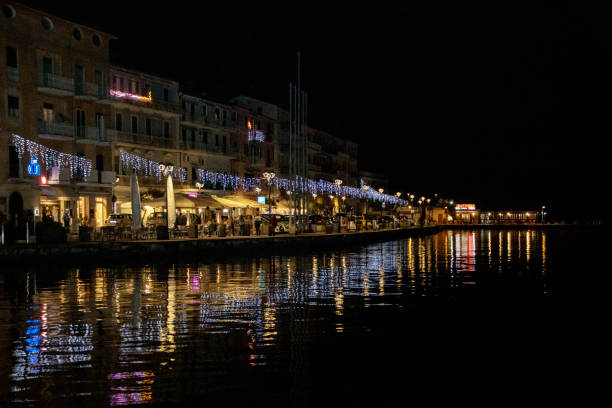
{"x":119,"y":220}
{"x":282,"y":222}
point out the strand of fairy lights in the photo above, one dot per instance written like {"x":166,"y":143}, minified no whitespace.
{"x":149,"y":167}
{"x":297,"y":185}
{"x":52,"y":158}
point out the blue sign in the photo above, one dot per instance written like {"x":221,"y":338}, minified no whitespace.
{"x":34,"y":167}
{"x":261,"y":199}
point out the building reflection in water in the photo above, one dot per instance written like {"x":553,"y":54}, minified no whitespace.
{"x":121,"y":330}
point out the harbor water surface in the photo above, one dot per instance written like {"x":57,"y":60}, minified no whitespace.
{"x":459,"y":314}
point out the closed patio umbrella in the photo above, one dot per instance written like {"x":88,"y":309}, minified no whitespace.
{"x":135,"y":200}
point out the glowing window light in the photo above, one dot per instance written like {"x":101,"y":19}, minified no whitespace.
{"x":127,"y":95}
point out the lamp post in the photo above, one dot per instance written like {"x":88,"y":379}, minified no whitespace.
{"x":365,"y":188}
{"x":269,"y":176}
{"x":543,"y":208}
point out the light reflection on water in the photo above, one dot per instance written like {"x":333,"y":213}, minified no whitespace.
{"x":114,"y":333}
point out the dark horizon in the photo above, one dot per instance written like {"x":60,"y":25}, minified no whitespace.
{"x":502,"y":106}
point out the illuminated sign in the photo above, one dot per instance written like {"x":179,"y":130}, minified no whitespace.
{"x":261,"y":199}
{"x":193,"y":195}
{"x":127,"y":95}
{"x":34,"y":167}
{"x":465,"y":207}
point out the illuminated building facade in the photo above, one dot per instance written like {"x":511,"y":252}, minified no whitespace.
{"x":509,"y":217}
{"x":53,"y":85}
{"x":146,"y":113}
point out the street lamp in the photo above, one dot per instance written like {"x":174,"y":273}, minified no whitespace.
{"x":381,"y":190}
{"x":398,"y":194}
{"x":269,"y":176}
{"x":543,"y":208}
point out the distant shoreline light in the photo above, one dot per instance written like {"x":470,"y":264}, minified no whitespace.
{"x":127,"y":95}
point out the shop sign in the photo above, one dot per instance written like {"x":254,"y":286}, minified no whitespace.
{"x":261,"y":199}
{"x":465,"y":207}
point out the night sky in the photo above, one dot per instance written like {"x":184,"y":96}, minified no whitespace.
{"x":505,"y":105}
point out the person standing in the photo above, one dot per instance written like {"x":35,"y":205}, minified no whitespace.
{"x":257,"y":224}
{"x":66,"y":219}
{"x":272,"y":224}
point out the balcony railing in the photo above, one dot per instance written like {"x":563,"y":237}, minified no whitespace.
{"x":12,"y":74}
{"x":207,"y":120}
{"x":148,"y":140}
{"x":88,"y":90}
{"x":93,"y":134}
{"x":205,"y":147}
{"x":50,"y":128}
{"x":142,"y":101}
{"x":55,"y":82}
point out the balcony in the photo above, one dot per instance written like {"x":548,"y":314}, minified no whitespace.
{"x":201,"y":121}
{"x":55,"y":130}
{"x":88,"y":91}
{"x":100,"y":177}
{"x":209,"y":148}
{"x":12,"y":73}
{"x":139,"y":101}
{"x":148,"y":140}
{"x":55,"y":84}
{"x":93,"y":135}
{"x":344,"y":155}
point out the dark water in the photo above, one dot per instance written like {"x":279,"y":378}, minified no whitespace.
{"x":466,"y":315}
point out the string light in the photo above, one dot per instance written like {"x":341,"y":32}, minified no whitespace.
{"x":52,"y":158}
{"x":150,"y":167}
{"x":299,"y":185}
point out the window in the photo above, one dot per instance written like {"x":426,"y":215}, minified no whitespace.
{"x":8,"y":11}
{"x":47,"y":24}
{"x":11,"y":57}
{"x":166,"y":95}
{"x":148,"y":126}
{"x":216,"y":114}
{"x":134,"y":124}
{"x":166,"y":129}
{"x":13,"y":162}
{"x":47,"y":112}
{"x":224,"y":140}
{"x":80,"y":123}
{"x":13,"y":106}
{"x":118,"y":122}
{"x":205,"y":137}
{"x":76,"y":33}
{"x":204,"y":111}
{"x":216,"y":140}
{"x":96,"y":40}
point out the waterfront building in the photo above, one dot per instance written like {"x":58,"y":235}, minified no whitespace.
{"x":331,"y":157}
{"x":207,"y":128}
{"x":261,"y":128}
{"x":145,"y":113}
{"x":466,"y":214}
{"x":509,"y":217}
{"x":52,"y":87}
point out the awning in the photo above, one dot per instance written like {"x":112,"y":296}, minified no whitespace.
{"x":183,"y":201}
{"x":55,"y":192}
{"x":226,"y":202}
{"x":246,"y":201}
